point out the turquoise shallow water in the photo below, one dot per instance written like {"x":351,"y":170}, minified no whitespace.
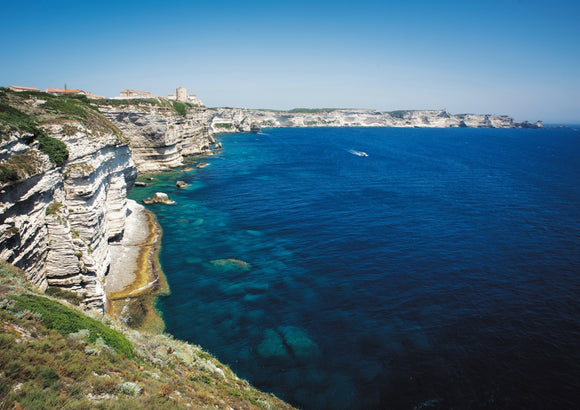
{"x":441,"y":271}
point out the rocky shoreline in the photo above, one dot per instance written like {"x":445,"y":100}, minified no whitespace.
{"x":135,"y":277}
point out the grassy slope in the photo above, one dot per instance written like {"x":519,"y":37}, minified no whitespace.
{"x":45,"y":362}
{"x":30,"y":114}
{"x":29,"y":111}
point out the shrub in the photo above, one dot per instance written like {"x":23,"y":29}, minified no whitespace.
{"x":66,"y":105}
{"x":19,"y":167}
{"x":54,"y":148}
{"x":67,"y":295}
{"x":6,"y":340}
{"x":14,"y":119}
{"x":53,"y":208}
{"x":179,"y":107}
{"x":66,"y":320}
{"x":48,"y":377}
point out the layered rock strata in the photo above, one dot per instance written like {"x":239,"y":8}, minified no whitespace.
{"x":56,"y":224}
{"x":159,"y":136}
{"x":242,"y":120}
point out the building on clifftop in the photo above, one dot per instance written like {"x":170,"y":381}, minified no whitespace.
{"x":128,"y":93}
{"x":60,"y":91}
{"x":19,"y":89}
{"x":182,"y":95}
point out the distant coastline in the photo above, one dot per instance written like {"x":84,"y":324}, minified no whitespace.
{"x":244,"y":120}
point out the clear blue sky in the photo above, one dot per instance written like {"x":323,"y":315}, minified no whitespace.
{"x":515,"y":57}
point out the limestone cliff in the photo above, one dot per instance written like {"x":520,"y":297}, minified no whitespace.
{"x":241,"y":120}
{"x":57,"y":219}
{"x":67,"y":164}
{"x":160,"y":136}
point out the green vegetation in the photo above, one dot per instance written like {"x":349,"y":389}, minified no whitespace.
{"x":12,"y":119}
{"x":35,"y":116}
{"x":66,"y":321}
{"x":19,"y":167}
{"x":224,"y":125}
{"x":180,"y":108}
{"x":67,"y":295}
{"x":28,"y":112}
{"x":55,"y":149}
{"x":160,"y":102}
{"x":53,"y":207}
{"x":52,"y":356}
{"x":177,"y":106}
{"x":67,"y":106}
{"x":79,"y":170}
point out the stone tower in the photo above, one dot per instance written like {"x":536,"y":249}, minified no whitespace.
{"x":181,"y":94}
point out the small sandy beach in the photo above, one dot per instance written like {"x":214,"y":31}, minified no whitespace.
{"x":135,"y":277}
{"x":126,"y":255}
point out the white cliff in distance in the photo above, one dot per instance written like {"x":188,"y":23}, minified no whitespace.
{"x":242,"y":120}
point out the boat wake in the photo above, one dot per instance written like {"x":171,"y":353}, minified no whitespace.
{"x":358,"y":153}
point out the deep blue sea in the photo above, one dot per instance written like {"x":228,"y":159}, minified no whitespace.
{"x":440,"y":271}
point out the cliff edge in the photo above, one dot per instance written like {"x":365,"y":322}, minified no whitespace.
{"x":65,"y":172}
{"x":161,"y":132}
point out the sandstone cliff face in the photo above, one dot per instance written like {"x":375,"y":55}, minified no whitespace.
{"x":241,"y":120}
{"x":56,"y":224}
{"x":160,"y":138}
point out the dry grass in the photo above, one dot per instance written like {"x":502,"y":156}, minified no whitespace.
{"x":42,"y":368}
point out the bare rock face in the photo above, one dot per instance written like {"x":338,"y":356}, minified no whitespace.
{"x":56,"y":224}
{"x":241,"y":120}
{"x":160,"y":137}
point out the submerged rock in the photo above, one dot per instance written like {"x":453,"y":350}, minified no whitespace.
{"x":288,"y":342}
{"x":272,"y":346}
{"x":159,"y":198}
{"x":231,"y":264}
{"x":300,"y":344}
